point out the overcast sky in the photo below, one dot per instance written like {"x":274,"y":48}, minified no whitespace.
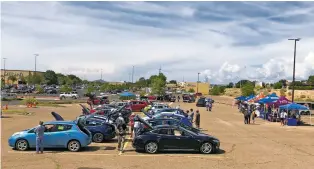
{"x":224,"y":41}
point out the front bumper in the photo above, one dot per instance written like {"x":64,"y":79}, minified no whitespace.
{"x":11,"y":142}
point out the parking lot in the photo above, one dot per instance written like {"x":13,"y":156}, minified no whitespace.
{"x":263,"y":145}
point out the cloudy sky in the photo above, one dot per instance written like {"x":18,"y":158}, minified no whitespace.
{"x":224,"y":41}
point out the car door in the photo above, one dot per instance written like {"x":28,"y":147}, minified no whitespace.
{"x":58,"y":135}
{"x":185,"y":140}
{"x":167,"y":140}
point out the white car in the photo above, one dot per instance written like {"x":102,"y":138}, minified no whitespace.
{"x":73,"y":95}
{"x":159,"y":106}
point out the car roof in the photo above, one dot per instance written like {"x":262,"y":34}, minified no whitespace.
{"x":60,"y":122}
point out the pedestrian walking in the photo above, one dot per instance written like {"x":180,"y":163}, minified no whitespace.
{"x":207,"y":105}
{"x":253,"y":117}
{"x":197,"y":119}
{"x":132,"y":124}
{"x":178,"y":98}
{"x":121,"y":136}
{"x":39,"y":130}
{"x":191,"y":115}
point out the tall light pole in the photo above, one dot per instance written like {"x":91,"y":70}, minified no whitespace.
{"x":35,"y":62}
{"x":295,"y":53}
{"x":4,"y":59}
{"x":101,"y":74}
{"x":198,"y":80}
{"x":132,"y":73}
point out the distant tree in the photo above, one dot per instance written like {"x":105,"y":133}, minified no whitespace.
{"x":173,"y":82}
{"x":230,"y":85}
{"x":50,"y":77}
{"x":12,"y":78}
{"x":311,"y":80}
{"x":215,"y":91}
{"x":222,"y":89}
{"x":191,"y":90}
{"x":278,"y":85}
{"x":65,"y":88}
{"x":39,"y":89}
{"x":247,"y":89}
{"x":242,"y":83}
{"x":2,"y":82}
{"x":158,"y":86}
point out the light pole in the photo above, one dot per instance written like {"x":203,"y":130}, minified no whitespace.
{"x":35,"y":62}
{"x":198,"y":80}
{"x":100,"y":74}
{"x":4,"y":59}
{"x":132,"y":73}
{"x":295,"y":53}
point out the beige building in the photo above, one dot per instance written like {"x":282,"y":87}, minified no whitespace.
{"x":19,"y":74}
{"x":201,"y":87}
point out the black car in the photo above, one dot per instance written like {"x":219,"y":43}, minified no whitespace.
{"x":172,"y":122}
{"x":201,"y":102}
{"x":173,"y":138}
{"x":188,"y":98}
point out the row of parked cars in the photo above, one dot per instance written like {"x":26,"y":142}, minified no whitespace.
{"x":165,"y":129}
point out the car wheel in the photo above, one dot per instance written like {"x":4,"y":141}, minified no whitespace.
{"x":98,"y":137}
{"x":21,"y":145}
{"x":73,"y":97}
{"x":62,"y":98}
{"x":74,"y":146}
{"x":207,"y":148}
{"x":151,"y":147}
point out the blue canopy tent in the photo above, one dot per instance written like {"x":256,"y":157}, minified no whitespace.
{"x":249,"y":97}
{"x":240,"y":98}
{"x":127,"y":96}
{"x":268,"y":99}
{"x":293,"y":106}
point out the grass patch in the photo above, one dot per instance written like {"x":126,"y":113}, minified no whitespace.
{"x":50,"y":105}
{"x":17,"y":111}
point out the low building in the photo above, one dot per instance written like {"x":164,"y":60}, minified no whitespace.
{"x":200,"y":87}
{"x":19,"y":74}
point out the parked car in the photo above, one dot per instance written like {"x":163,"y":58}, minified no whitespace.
{"x":138,"y":106}
{"x":159,"y":106}
{"x":51,"y":91}
{"x":98,"y":100}
{"x":170,"y":115}
{"x":173,"y":98}
{"x":175,"y":111}
{"x":305,"y":112}
{"x":201,"y":102}
{"x":171,"y":121}
{"x":100,"y":129}
{"x":188,"y":98}
{"x":64,"y":95}
{"x":174,"y":138}
{"x":58,"y":134}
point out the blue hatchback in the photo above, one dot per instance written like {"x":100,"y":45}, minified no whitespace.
{"x":58,"y":134}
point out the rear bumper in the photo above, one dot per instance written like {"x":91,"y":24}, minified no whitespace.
{"x":138,"y":144}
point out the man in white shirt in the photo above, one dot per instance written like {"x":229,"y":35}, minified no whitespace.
{"x":136,"y":127}
{"x":285,"y":115}
{"x":282,"y":117}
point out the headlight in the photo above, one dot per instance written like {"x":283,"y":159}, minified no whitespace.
{"x":17,"y":133}
{"x":216,"y":141}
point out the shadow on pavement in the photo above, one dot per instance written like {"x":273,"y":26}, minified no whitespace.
{"x":62,"y":150}
{"x":5,"y":117}
{"x":89,"y":168}
{"x":109,"y":148}
{"x":182,"y":152}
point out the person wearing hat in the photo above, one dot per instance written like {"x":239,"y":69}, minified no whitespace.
{"x":197,"y":119}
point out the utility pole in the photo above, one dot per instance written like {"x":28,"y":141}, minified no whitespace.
{"x":4,"y":59}
{"x":159,"y":70}
{"x":132,"y":74}
{"x":294,"y":58}
{"x":101,"y":74}
{"x":198,"y":80}
{"x":35,"y":63}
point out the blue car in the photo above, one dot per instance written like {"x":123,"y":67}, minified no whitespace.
{"x":166,"y":115}
{"x":58,"y":134}
{"x":100,"y":129}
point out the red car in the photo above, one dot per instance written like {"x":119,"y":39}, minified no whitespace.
{"x":138,"y":105}
{"x":98,"y":100}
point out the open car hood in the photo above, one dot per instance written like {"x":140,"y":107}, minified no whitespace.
{"x":57,"y":116}
{"x":85,"y":110}
{"x":139,"y":119}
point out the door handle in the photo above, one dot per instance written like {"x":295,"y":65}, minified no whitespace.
{"x":178,"y":138}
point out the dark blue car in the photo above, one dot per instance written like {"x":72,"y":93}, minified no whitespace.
{"x":173,"y":138}
{"x":171,"y":122}
{"x":101,"y":130}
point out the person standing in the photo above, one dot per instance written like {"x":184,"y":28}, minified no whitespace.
{"x":120,"y":120}
{"x":285,"y":116}
{"x":121,"y":136}
{"x":132,"y":124}
{"x":253,"y":117}
{"x":136,"y":126}
{"x":39,"y":130}
{"x":197,"y":119}
{"x":207,"y":105}
{"x":192,"y":115}
{"x":282,"y":117}
{"x":178,"y":98}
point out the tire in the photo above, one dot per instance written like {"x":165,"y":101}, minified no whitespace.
{"x":74,"y":146}
{"x":151,"y":147}
{"x":98,"y":137}
{"x":73,"y":97}
{"x":207,"y":148}
{"x":21,"y":145}
{"x":62,"y":97}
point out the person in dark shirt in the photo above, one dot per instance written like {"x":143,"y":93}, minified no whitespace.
{"x":197,"y":119}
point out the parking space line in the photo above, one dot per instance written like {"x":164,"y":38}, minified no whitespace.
{"x":126,"y":155}
{"x":126,"y":142}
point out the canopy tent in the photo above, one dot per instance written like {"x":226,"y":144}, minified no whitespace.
{"x":293,"y":106}
{"x":249,"y":97}
{"x":281,"y":101}
{"x":240,"y":98}
{"x":127,"y":94}
{"x":257,"y":97}
{"x":269,"y":99}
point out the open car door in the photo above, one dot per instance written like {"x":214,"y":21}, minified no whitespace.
{"x":57,"y":116}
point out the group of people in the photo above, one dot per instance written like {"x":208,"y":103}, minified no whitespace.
{"x":190,"y":116}
{"x":248,"y":112}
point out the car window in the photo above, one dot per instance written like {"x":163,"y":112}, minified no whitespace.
{"x":63,"y":127}
{"x":155,"y":131}
{"x":93,"y":123}
{"x":50,"y":128}
{"x":177,"y":132}
{"x":165,"y":131}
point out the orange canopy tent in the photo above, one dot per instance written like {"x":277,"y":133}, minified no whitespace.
{"x":258,"y":97}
